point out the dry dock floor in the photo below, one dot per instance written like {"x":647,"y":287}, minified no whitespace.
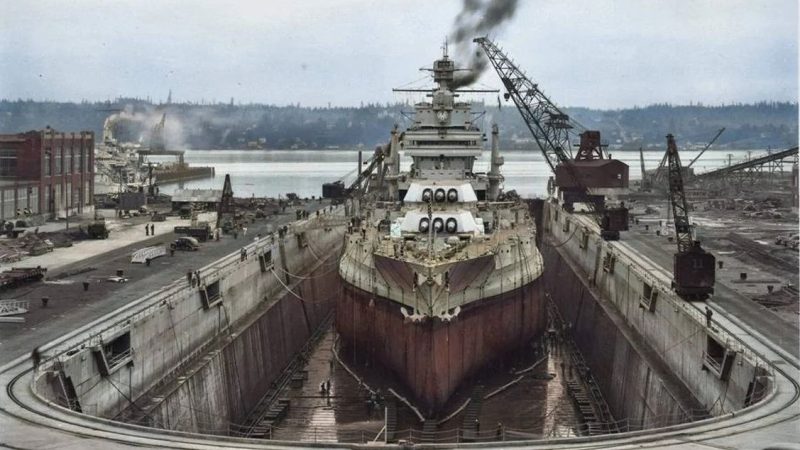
{"x":536,"y":404}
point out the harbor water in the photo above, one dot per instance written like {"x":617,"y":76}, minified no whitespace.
{"x":269,"y":173}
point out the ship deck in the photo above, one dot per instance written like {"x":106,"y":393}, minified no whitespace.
{"x":475,"y":248}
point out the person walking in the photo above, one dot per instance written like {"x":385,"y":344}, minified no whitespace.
{"x":147,"y":230}
{"x":709,"y":313}
{"x":152,"y":229}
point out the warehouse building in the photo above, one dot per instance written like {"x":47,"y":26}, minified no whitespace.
{"x":46,"y":173}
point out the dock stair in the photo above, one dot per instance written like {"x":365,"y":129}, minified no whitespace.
{"x":429,"y":431}
{"x":391,"y":419}
{"x":470,"y":423}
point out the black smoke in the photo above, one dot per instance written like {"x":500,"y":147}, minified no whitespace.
{"x":477,"y":18}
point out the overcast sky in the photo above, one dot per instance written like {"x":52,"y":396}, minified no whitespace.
{"x":595,"y":53}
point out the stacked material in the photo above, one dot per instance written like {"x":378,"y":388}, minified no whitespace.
{"x":33,"y":243}
{"x":13,"y":307}
{"x":20,"y":275}
{"x":148,"y":253}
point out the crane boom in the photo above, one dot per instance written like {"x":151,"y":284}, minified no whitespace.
{"x":338,"y":190}
{"x":548,"y":124}
{"x":372,"y":163}
{"x":551,"y":129}
{"x":677,"y":197}
{"x":641,"y":160}
{"x":710,"y":143}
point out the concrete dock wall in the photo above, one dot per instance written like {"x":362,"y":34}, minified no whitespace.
{"x":215,"y":394}
{"x":645,"y":346}
{"x":201,"y":351}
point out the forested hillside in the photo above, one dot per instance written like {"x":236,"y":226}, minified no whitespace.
{"x":748,"y":126}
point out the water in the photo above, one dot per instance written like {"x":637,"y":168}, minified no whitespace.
{"x":269,"y":173}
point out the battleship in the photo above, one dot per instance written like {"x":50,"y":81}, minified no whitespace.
{"x":440,"y":268}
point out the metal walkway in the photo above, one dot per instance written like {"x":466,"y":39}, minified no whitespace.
{"x":747,"y":170}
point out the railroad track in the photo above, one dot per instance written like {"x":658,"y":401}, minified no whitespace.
{"x":760,"y":253}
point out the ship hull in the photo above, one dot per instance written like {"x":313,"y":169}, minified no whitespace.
{"x":434,"y":357}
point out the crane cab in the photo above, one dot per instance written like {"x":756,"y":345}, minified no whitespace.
{"x":694,"y":273}
{"x":335,"y":190}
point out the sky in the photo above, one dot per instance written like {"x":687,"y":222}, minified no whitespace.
{"x":592,"y":53}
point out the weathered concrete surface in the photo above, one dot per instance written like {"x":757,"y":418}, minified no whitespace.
{"x":673,"y":335}
{"x":70,"y":306}
{"x":172,"y":326}
{"x":637,"y":384}
{"x":229,"y":381}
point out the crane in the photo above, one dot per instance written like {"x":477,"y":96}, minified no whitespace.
{"x":660,"y":172}
{"x":337,"y":190}
{"x":591,"y":167}
{"x":693,"y":267}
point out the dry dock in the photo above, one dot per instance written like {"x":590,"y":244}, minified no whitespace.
{"x":242,"y":347}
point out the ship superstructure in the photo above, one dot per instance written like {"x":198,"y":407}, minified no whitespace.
{"x":440,"y":266}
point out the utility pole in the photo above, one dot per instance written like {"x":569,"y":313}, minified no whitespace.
{"x":119,"y":192}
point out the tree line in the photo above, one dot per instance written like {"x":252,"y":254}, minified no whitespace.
{"x":231,"y":126}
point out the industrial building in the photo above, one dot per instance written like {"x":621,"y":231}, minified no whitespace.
{"x":46,"y":173}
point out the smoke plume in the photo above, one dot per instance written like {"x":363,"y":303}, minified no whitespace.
{"x":477,"y":18}
{"x":140,"y":121}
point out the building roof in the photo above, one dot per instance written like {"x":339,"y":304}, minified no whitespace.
{"x":197,"y":195}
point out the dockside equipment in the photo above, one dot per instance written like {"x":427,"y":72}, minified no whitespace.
{"x":693,"y":267}
{"x":20,"y":275}
{"x":98,"y":229}
{"x":338,"y":191}
{"x":590,"y":169}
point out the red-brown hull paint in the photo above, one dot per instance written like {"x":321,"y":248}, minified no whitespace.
{"x":434,"y":357}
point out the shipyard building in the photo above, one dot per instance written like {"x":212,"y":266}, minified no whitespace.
{"x":46,"y":173}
